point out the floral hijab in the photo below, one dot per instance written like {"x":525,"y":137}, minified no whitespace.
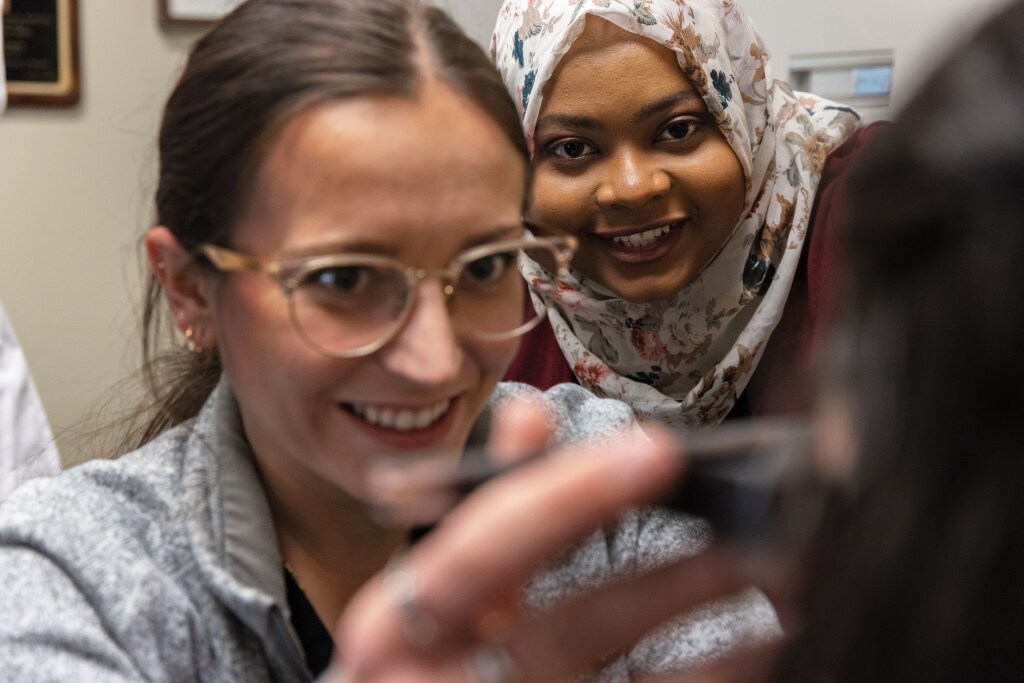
{"x":684,"y":361}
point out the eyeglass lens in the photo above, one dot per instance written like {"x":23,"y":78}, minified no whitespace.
{"x":344,"y":307}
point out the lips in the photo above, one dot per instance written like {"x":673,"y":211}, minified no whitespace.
{"x":642,"y":239}
{"x":641,"y":244}
{"x":401,"y":419}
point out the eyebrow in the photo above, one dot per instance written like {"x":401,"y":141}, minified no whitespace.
{"x":498,"y":234}
{"x":331,"y":248}
{"x":573,"y":121}
{"x":362,"y":246}
{"x":666,"y":103}
{"x":583,"y":122}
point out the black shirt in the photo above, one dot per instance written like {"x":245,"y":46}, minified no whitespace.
{"x":315,"y":639}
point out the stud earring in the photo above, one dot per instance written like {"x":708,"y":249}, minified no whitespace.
{"x":190,"y":342}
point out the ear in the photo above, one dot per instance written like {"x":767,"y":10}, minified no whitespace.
{"x":185,"y":283}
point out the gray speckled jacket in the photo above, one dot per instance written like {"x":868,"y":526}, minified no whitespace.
{"x":163,"y":564}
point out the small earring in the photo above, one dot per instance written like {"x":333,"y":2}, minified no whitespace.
{"x":190,"y":342}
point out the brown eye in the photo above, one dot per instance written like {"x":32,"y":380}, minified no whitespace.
{"x":571,"y":149}
{"x":678,"y":130}
{"x":490,"y":268}
{"x":337,"y":279}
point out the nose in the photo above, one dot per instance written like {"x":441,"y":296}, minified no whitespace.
{"x":428,"y":349}
{"x":632,"y":179}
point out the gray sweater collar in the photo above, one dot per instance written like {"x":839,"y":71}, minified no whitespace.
{"x":237,"y":550}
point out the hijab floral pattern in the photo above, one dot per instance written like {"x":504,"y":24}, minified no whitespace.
{"x":684,"y":361}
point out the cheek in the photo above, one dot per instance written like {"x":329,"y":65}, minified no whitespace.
{"x":246,"y":304}
{"x":724,"y":185}
{"x":496,"y":357}
{"x":259,"y":348}
{"x":492,"y":360}
{"x":556,"y":203}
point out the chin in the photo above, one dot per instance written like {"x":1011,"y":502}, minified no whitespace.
{"x":645,"y":290}
{"x":637,"y":283}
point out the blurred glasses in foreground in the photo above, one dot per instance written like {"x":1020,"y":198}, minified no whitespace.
{"x":350,"y":305}
{"x":753,"y":480}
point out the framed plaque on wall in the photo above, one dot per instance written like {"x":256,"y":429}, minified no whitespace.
{"x":194,"y":12}
{"x":41,"y":52}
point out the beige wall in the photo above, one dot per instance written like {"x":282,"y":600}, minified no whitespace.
{"x":75,"y":192}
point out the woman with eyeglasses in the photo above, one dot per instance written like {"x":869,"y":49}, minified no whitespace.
{"x":339,"y":224}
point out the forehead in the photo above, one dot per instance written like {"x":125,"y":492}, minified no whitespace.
{"x":394,"y":173}
{"x":607,"y":65}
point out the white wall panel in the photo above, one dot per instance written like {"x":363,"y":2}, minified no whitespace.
{"x":918,"y":31}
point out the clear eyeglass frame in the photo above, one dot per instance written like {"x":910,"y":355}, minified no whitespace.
{"x":291,"y":273}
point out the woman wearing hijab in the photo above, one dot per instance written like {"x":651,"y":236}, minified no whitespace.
{"x":701,"y":190}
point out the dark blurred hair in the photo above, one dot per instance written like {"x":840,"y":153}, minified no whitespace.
{"x":924,"y":579}
{"x":263,"y":65}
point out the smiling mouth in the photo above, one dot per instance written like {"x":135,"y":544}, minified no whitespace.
{"x":400,"y":419}
{"x":644,"y":239}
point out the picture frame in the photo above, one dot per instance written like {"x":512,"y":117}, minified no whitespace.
{"x":193,"y":12}
{"x":40,"y":44}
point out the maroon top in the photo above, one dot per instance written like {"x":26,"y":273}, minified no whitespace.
{"x":780,"y":383}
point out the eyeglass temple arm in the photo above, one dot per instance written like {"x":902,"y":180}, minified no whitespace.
{"x":231,"y":261}
{"x":565,"y":248}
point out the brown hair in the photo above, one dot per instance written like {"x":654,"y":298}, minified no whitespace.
{"x":261,"y":66}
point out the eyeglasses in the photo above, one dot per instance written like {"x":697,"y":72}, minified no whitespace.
{"x":350,"y":305}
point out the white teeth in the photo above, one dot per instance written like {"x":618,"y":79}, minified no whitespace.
{"x":401,"y":419}
{"x":642,"y":239}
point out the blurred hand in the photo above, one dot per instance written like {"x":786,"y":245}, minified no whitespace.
{"x":469,"y":571}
